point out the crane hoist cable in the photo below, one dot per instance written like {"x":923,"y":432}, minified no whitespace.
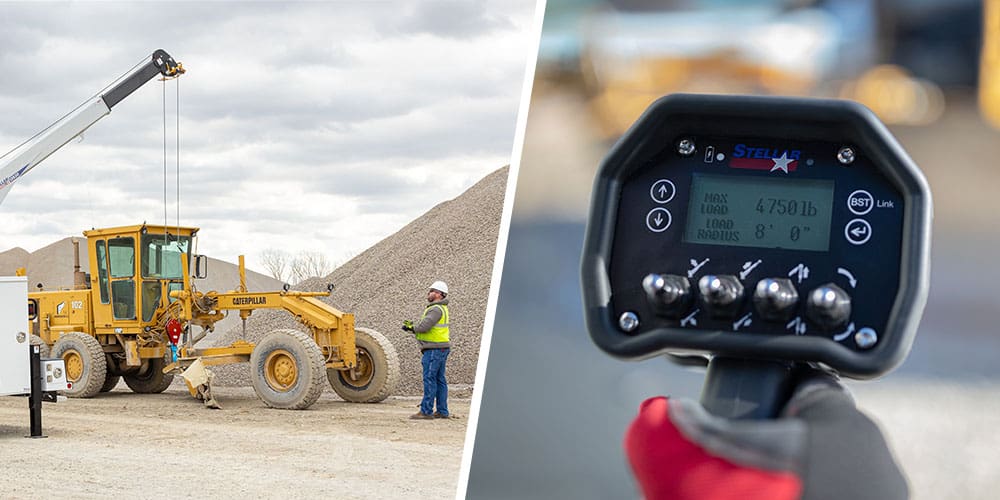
{"x":177,"y":152}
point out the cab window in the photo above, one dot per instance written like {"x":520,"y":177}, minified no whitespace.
{"x":122,"y":252}
{"x":161,"y":256}
{"x":123,"y":292}
{"x":102,"y":271}
{"x":122,"y":259}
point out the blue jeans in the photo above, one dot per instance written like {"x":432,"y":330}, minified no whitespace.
{"x":435,"y":385}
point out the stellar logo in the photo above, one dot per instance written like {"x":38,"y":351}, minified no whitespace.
{"x":6,"y":181}
{"x":770,"y":159}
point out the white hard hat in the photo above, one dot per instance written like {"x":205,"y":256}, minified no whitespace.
{"x":440,"y":286}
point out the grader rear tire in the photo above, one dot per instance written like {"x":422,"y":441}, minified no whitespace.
{"x":152,"y":380}
{"x":286,"y":370}
{"x":43,"y":350}
{"x":86,"y":365}
{"x":377,"y":372}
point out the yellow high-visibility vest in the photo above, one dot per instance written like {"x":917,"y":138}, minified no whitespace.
{"x":439,"y":332}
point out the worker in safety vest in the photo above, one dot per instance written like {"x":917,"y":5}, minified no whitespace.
{"x":432,"y":335}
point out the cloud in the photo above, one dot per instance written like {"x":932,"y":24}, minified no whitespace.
{"x":303,"y":126}
{"x":459,"y":19}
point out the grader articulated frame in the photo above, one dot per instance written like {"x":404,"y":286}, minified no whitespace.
{"x":114,"y":329}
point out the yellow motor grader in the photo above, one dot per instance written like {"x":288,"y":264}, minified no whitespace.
{"x":134,"y":317}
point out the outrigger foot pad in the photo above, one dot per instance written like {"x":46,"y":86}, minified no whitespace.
{"x":199,"y":383}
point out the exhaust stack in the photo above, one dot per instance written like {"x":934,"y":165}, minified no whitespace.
{"x":80,"y":279}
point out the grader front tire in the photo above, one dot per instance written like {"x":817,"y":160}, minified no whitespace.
{"x":377,"y":372}
{"x":150,"y":381}
{"x":86,"y":365}
{"x":286,"y":370}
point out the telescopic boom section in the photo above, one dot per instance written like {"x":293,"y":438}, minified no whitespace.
{"x":160,"y":64}
{"x":22,"y":159}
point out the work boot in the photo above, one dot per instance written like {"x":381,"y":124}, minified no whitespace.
{"x":439,"y":415}
{"x":420,"y":416}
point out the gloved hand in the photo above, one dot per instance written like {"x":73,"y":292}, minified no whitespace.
{"x":407,"y":326}
{"x":820,"y":447}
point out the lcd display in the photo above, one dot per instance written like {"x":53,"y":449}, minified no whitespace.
{"x":760,"y":212}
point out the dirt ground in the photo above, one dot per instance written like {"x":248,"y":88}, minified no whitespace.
{"x":125,"y":445}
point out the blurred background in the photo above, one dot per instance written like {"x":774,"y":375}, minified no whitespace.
{"x":554,"y":408}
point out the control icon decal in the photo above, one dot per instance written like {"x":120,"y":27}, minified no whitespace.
{"x":845,"y":334}
{"x":695,"y":266}
{"x":748,"y":268}
{"x":850,"y":277}
{"x":799,"y":272}
{"x":690,"y":319}
{"x":797,"y":326}
{"x":744,"y":321}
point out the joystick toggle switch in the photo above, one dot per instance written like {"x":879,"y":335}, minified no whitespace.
{"x":668,"y":294}
{"x":722,"y":295}
{"x":775,"y":298}
{"x":828,"y":306}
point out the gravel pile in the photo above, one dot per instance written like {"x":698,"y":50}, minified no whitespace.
{"x":51,"y":265}
{"x":455,"y":242}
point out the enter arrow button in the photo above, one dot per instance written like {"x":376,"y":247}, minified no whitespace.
{"x":858,"y":231}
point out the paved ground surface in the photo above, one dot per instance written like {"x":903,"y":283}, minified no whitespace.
{"x":125,"y":445}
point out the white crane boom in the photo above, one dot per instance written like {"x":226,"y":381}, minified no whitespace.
{"x":22,"y":159}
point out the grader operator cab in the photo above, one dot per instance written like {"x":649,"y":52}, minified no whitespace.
{"x":133,"y":318}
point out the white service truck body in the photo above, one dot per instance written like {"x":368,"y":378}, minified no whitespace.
{"x":15,"y":340}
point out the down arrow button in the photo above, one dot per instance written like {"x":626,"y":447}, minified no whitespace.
{"x":658,"y":220}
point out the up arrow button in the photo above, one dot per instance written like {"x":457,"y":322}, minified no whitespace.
{"x":662,"y":191}
{"x":658,"y":220}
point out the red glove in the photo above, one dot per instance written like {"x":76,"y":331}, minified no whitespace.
{"x":669,"y":465}
{"x":821,"y":447}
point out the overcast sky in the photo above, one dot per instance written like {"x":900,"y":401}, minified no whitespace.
{"x":303,"y":126}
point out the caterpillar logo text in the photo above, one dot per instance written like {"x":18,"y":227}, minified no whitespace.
{"x":249,"y":301}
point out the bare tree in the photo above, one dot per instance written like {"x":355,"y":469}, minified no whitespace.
{"x":307,"y":265}
{"x":277,"y":263}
